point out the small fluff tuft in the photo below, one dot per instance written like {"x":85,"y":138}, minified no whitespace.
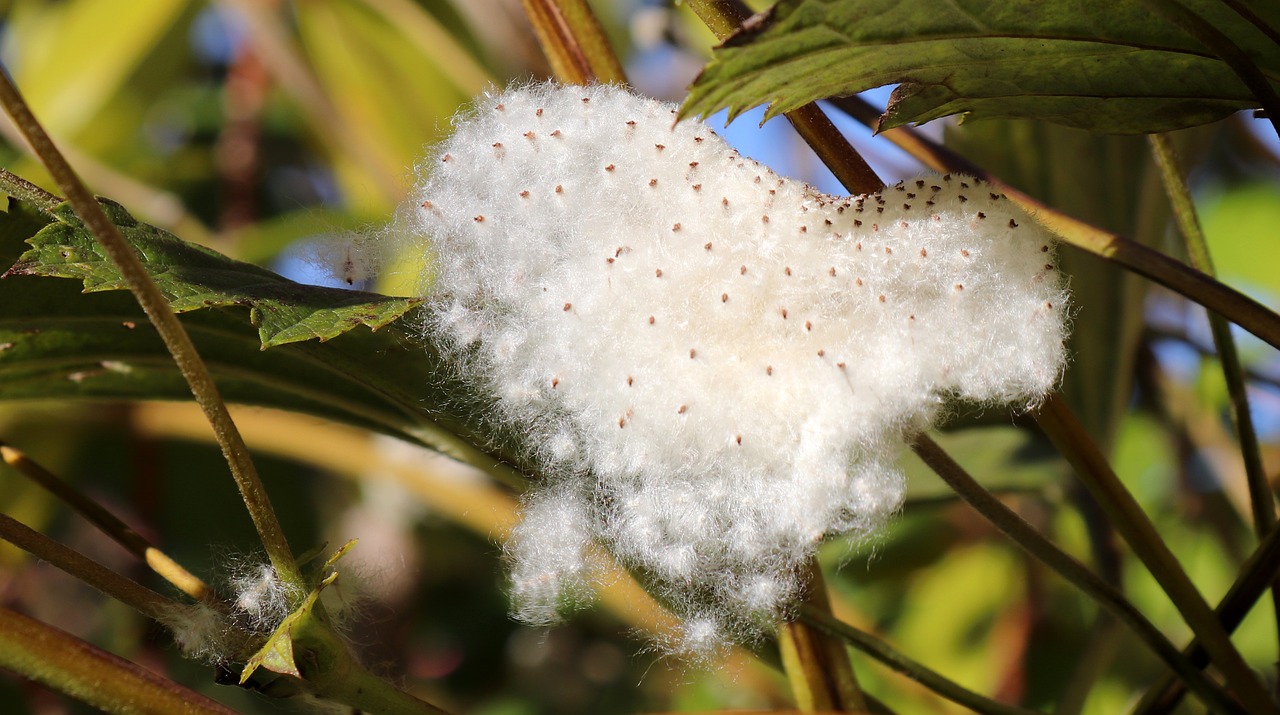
{"x":260,"y":601}
{"x":715,"y":366}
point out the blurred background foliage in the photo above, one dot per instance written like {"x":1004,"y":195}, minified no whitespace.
{"x":262,"y":127}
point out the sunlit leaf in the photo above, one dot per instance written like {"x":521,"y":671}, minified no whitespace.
{"x":58,"y":343}
{"x":192,"y":277}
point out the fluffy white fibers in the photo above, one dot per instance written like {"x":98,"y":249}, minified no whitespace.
{"x":715,"y":366}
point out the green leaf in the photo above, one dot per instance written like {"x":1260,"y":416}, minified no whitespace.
{"x":59,"y":343}
{"x":1103,"y":65}
{"x":192,"y":277}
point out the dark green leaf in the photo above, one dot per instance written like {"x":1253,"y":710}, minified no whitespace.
{"x":192,"y":277}
{"x":59,"y":343}
{"x":1103,"y":65}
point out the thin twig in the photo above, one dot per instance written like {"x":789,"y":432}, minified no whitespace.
{"x":588,"y":34}
{"x":566,"y":55}
{"x":818,"y":667}
{"x":1261,"y":498}
{"x":1256,"y":576}
{"x":135,"y":543}
{"x":1074,"y":572}
{"x":1184,"y":212}
{"x":127,"y":591}
{"x":900,"y":663}
{"x":1093,"y":470}
{"x":168,"y":327}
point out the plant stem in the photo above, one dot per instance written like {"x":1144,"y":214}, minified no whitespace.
{"x":127,"y":591}
{"x":574,"y":42}
{"x":105,"y":681}
{"x":900,"y":663}
{"x":1261,"y":498}
{"x":108,"y":523}
{"x":1258,"y":573}
{"x":1184,"y":212}
{"x":1093,"y":470}
{"x":1043,"y":550}
{"x":167,"y":326}
{"x":822,"y":679}
{"x":848,"y":166}
{"x":331,"y":672}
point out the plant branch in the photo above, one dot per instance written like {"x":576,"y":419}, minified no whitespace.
{"x":108,"y":523}
{"x":574,"y":42}
{"x":1075,"y":573}
{"x":900,"y":663}
{"x":127,"y":591}
{"x":1258,"y":573}
{"x":818,"y":667}
{"x":1261,"y":498}
{"x":1056,"y":419}
{"x":1184,"y":212}
{"x":167,"y":326}
{"x":107,"y":682}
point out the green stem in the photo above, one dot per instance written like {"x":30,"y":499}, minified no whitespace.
{"x":1093,"y":470}
{"x":1260,"y":570}
{"x":331,"y":672}
{"x":1261,"y":498}
{"x":1043,"y":550}
{"x":108,"y":523}
{"x":139,"y":597}
{"x":900,"y":663}
{"x":105,"y":681}
{"x":589,"y":35}
{"x":167,"y":326}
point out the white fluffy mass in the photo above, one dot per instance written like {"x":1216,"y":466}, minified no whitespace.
{"x":715,"y":366}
